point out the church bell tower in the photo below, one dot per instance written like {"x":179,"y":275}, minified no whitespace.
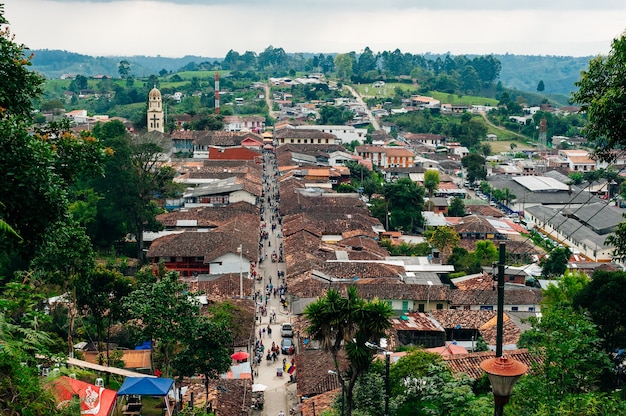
{"x":155,"y":111}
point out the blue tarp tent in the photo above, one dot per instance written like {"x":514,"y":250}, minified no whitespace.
{"x":147,"y":386}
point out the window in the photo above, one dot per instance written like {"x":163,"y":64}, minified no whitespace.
{"x":390,"y":303}
{"x":179,"y":259}
{"x":531,"y":309}
{"x":405,"y":306}
{"x":439,"y":306}
{"x":421,"y":308}
{"x":514,"y":308}
{"x":486,"y":307}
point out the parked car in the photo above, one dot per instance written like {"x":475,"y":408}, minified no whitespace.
{"x":286,"y":346}
{"x":286,"y":330}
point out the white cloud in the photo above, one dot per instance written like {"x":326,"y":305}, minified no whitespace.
{"x":177,"y":28}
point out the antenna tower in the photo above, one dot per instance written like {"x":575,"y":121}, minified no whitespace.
{"x":542,"y":163}
{"x":217,"y":92}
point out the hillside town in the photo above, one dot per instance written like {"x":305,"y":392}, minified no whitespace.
{"x":367,"y":248}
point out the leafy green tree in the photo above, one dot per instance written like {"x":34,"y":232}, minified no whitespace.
{"x":403,"y":202}
{"x":572,"y":360}
{"x":485,"y":149}
{"x":603,"y":299}
{"x":456,"y":208}
{"x":348,"y":323}
{"x":431,"y":181}
{"x":475,"y":165}
{"x":165,"y":312}
{"x":130,"y":187}
{"x":123,"y":68}
{"x":343,"y":66}
{"x":18,"y":85}
{"x":541,"y":86}
{"x":486,"y":252}
{"x":600,"y":94}
{"x":576,"y":177}
{"x":555,"y":264}
{"x":463,"y":261}
{"x":101,"y":293}
{"x":205,"y":351}
{"x":330,"y":114}
{"x":21,"y":392}
{"x":561,"y":295}
{"x":444,"y":238}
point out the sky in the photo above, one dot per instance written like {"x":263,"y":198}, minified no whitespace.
{"x":210,"y":28}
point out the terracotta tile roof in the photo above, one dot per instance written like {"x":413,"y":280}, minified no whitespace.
{"x":234,"y":398}
{"x":484,"y":210}
{"x":416,"y":321}
{"x":398,"y":152}
{"x":467,"y":319}
{"x":475,"y":224}
{"x":313,"y":377}
{"x":523,"y":295}
{"x":215,"y":137}
{"x":470,"y":363}
{"x":208,"y":216}
{"x":224,"y":286}
{"x":242,"y":229}
{"x":317,"y":405}
{"x":302,"y":134}
{"x":510,"y":334}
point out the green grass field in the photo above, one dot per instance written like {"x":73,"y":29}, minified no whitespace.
{"x":388,"y":90}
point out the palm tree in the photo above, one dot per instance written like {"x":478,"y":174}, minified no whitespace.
{"x":348,"y":323}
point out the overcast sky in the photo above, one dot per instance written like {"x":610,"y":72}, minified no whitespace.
{"x":211,"y":28}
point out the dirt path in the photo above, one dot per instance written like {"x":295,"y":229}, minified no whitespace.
{"x":359,"y":100}
{"x":484,"y":115}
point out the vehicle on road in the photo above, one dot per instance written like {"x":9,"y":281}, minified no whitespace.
{"x":286,"y":330}
{"x":286,"y":346}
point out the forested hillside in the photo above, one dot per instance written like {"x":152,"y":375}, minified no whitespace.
{"x":521,"y":72}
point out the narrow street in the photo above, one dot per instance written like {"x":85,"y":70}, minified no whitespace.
{"x":280,"y":394}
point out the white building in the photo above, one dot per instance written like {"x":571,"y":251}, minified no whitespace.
{"x":344,"y":134}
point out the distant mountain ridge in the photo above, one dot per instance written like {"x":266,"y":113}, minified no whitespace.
{"x":521,"y":72}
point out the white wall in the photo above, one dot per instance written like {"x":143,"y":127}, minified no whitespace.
{"x":230,"y":264}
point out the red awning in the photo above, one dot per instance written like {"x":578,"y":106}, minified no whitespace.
{"x":94,"y":400}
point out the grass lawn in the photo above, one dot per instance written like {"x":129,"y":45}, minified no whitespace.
{"x":446,"y":98}
{"x":367,"y":90}
{"x":505,"y":146}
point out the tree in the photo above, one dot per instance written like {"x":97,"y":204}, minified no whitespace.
{"x":165,"y":312}
{"x":576,"y":177}
{"x":485,"y":149}
{"x":456,"y":208}
{"x":132,"y":183}
{"x":572,"y":361}
{"x":541,"y":87}
{"x":561,"y":295}
{"x":403,"y":202}
{"x":123,"y":68}
{"x":602,"y":298}
{"x":431,"y":181}
{"x":601,"y":95}
{"x":205,"y":351}
{"x":555,"y":264}
{"x":443,"y":238}
{"x":475,"y":165}
{"x":485,"y":252}
{"x":18,"y":85}
{"x":348,"y":323}
{"x":343,"y":66}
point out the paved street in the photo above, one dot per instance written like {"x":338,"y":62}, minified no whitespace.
{"x":280,"y":394}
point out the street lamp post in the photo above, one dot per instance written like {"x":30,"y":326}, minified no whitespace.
{"x":387,"y":364}
{"x":240,"y":251}
{"x":503,"y":372}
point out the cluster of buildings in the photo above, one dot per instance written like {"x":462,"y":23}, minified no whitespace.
{"x":331,"y":240}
